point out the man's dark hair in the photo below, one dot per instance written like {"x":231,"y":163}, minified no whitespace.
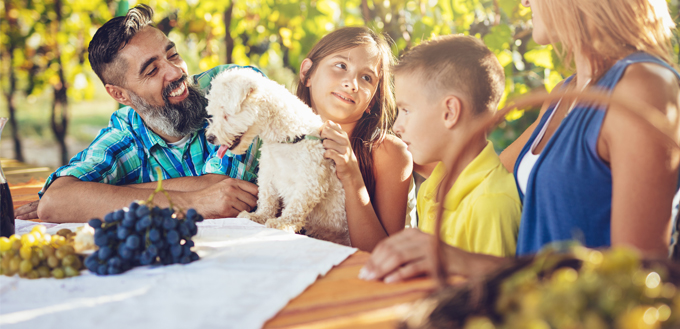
{"x":457,"y":62}
{"x":111,"y":38}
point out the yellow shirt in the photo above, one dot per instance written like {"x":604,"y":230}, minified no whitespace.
{"x":482,"y":210}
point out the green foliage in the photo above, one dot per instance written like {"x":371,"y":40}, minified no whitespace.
{"x":275,"y":35}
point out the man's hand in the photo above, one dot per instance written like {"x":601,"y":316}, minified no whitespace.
{"x":226,"y":198}
{"x":27,"y":211}
{"x":404,"y":255}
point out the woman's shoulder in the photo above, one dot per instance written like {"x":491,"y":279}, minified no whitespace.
{"x":644,"y":87}
{"x":651,"y":83}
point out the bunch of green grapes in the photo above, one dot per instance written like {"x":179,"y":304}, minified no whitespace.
{"x":610,"y":289}
{"x":39,"y":255}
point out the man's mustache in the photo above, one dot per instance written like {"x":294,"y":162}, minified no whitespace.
{"x":174,"y":85}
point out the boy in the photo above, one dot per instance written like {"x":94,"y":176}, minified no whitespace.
{"x":445,"y":89}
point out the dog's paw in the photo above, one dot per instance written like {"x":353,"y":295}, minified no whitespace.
{"x":288,"y":227}
{"x":252,"y":216}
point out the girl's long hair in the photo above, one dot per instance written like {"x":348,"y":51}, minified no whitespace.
{"x":608,"y":30}
{"x":371,"y":129}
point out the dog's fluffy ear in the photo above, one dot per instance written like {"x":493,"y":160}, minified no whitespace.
{"x":248,"y":91}
{"x":248,"y":82}
{"x":229,"y":90}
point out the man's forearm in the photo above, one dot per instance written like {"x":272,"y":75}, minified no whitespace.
{"x":70,"y":200}
{"x":183,"y":184}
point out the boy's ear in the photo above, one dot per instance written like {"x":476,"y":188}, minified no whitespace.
{"x":119,"y":94}
{"x":304,"y":69}
{"x":453,"y":111}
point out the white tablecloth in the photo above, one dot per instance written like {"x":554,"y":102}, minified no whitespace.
{"x":246,"y":274}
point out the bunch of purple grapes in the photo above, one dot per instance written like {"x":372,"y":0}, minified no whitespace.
{"x":142,"y":235}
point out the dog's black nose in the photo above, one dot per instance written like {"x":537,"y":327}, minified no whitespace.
{"x":211,"y":139}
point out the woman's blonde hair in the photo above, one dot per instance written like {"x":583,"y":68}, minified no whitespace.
{"x":371,"y":129}
{"x":608,"y":30}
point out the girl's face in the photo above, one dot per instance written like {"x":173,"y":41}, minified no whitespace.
{"x":540,"y":33}
{"x":343,"y":84}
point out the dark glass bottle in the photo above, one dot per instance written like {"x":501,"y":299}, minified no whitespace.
{"x":6,"y":206}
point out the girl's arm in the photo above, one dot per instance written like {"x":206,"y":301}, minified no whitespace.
{"x":370,"y":223}
{"x":392,"y":169}
{"x":644,"y":163}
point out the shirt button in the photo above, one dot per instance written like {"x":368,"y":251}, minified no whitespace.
{"x":186,"y":156}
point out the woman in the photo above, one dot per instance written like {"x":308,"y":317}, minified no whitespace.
{"x":605,"y":178}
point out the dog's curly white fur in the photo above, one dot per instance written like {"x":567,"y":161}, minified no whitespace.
{"x":295,"y":176}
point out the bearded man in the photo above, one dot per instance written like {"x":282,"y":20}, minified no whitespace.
{"x":162,"y":126}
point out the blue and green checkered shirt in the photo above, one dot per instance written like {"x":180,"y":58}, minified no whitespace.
{"x":128,"y":152}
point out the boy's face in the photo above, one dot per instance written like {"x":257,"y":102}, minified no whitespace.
{"x":420,"y":119}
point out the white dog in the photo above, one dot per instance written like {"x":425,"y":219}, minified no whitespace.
{"x":293,"y":173}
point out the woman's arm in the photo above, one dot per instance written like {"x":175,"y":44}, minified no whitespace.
{"x":643,"y":161}
{"x":410,"y":253}
{"x":392,"y":166}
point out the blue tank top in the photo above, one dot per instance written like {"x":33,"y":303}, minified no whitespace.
{"x":569,"y":191}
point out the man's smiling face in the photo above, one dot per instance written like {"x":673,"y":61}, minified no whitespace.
{"x":153,"y":64}
{"x":157,"y":85}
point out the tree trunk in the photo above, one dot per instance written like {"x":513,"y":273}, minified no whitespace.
{"x":9,"y":95}
{"x":228,"y":40}
{"x":392,"y":28}
{"x":59,"y":117}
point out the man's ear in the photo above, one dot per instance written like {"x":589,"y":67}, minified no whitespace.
{"x":453,"y":111}
{"x":119,"y":94}
{"x":304,"y":69}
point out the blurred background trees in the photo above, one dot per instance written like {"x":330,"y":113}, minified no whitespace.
{"x":52,"y":96}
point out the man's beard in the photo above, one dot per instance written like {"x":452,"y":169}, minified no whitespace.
{"x":175,"y":120}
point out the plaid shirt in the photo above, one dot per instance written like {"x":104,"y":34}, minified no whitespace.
{"x":128,"y":152}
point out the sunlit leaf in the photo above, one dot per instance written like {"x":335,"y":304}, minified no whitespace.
{"x":540,"y":57}
{"x":552,"y":80}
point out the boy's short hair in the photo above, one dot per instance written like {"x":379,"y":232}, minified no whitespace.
{"x":457,"y":62}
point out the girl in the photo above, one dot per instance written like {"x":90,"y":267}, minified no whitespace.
{"x":346,"y":80}
{"x":608,"y":177}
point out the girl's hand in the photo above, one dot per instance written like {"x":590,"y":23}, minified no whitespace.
{"x":339,"y":149}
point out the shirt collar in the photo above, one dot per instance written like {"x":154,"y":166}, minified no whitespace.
{"x":473,"y":175}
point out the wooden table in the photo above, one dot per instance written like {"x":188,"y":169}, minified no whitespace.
{"x":337,"y":300}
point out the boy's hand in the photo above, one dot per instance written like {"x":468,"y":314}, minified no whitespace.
{"x":339,"y":149}
{"x":404,"y":255}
